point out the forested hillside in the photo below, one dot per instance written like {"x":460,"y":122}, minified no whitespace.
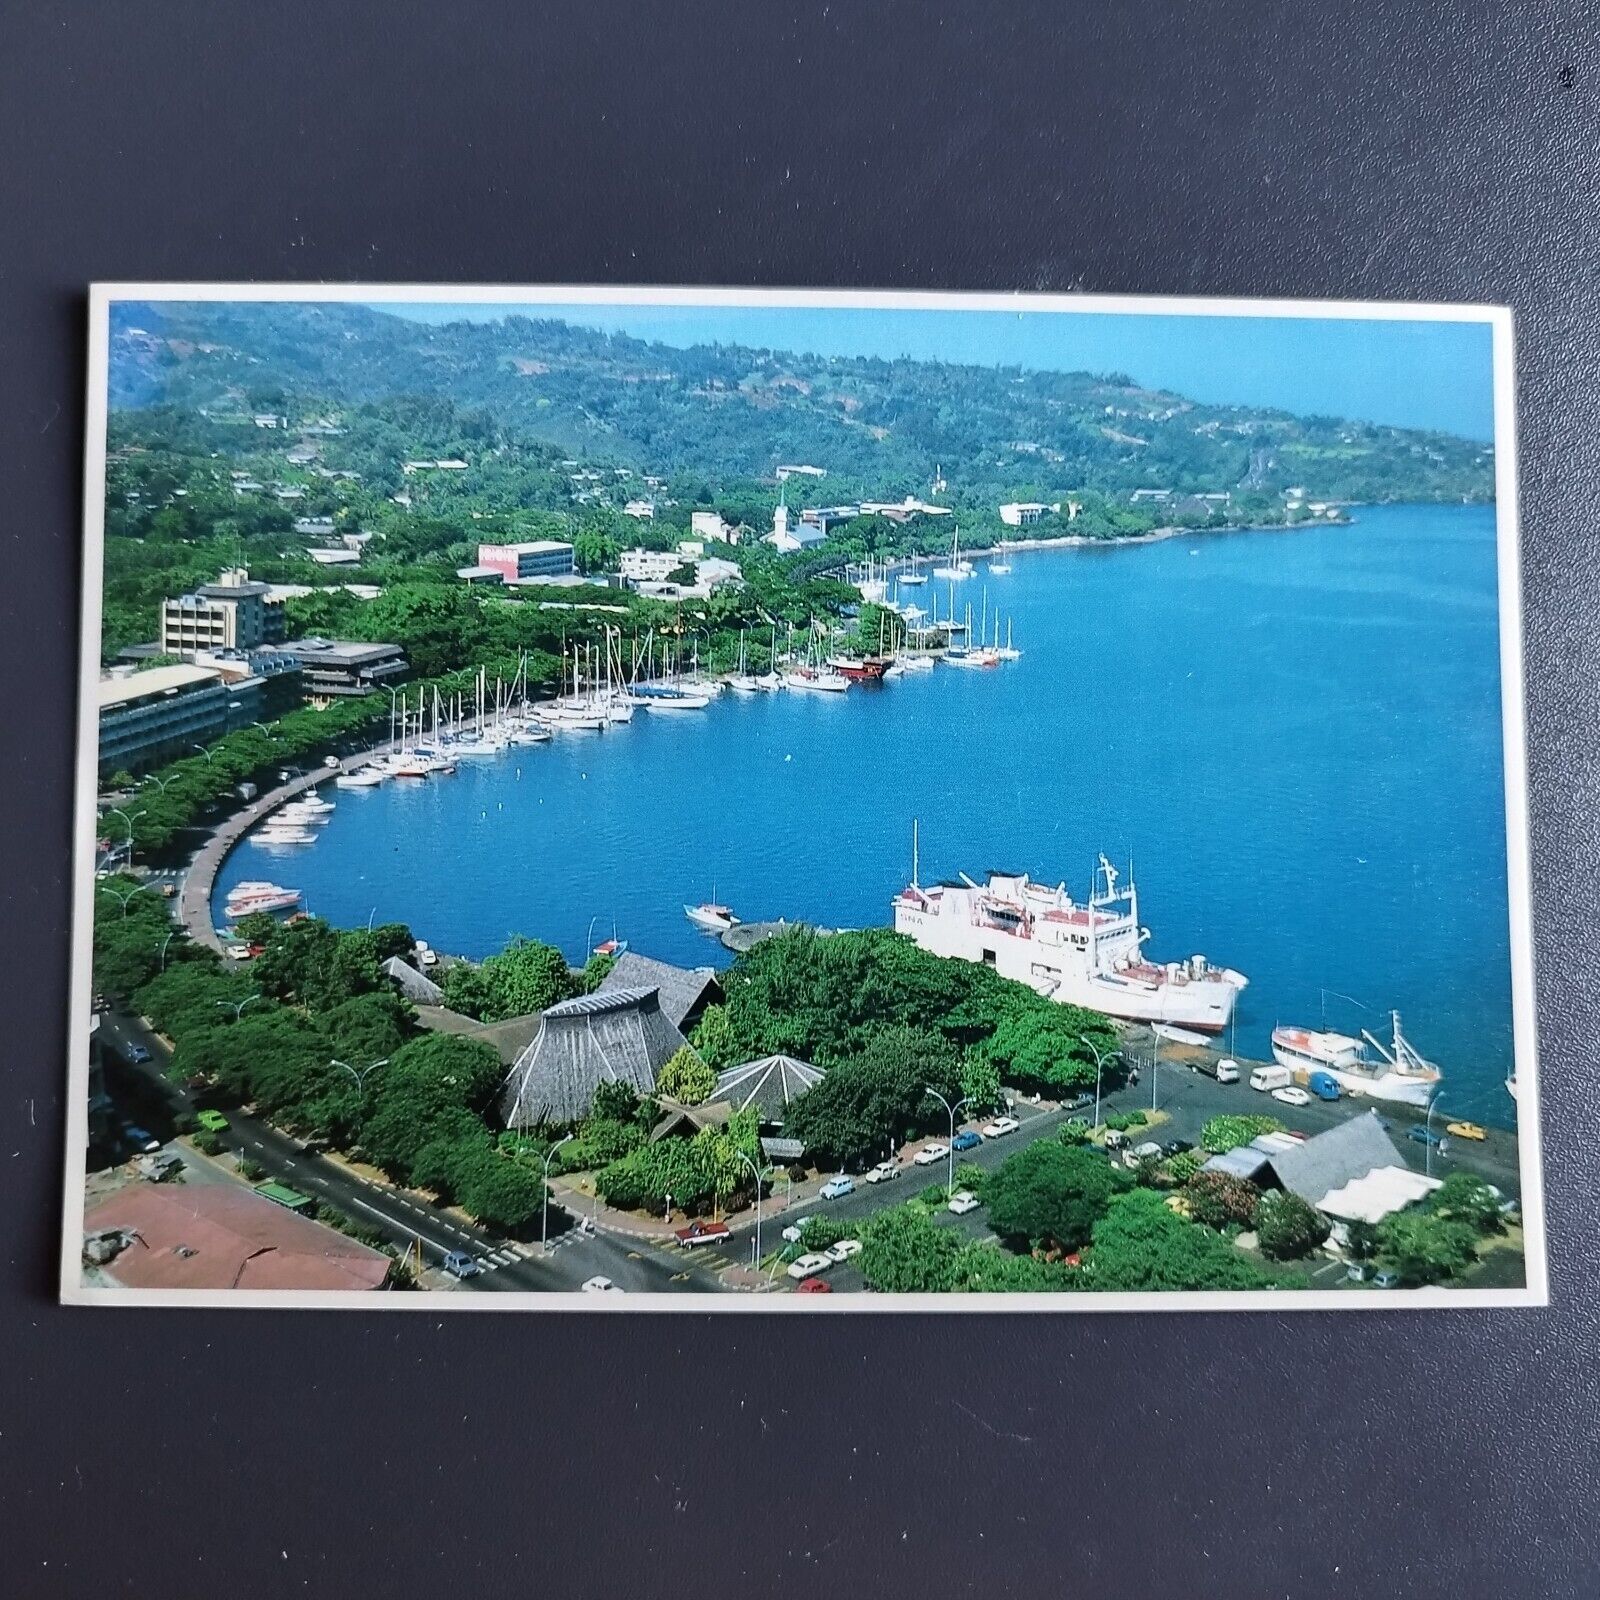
{"x":719,"y":412}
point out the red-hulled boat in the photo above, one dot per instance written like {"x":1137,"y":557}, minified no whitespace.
{"x":860,"y":669}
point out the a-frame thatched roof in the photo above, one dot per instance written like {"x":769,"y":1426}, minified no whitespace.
{"x":617,"y":1037}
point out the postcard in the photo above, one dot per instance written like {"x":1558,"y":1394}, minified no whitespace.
{"x":745,"y":800}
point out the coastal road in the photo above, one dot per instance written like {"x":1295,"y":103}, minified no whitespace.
{"x":398,"y":1216}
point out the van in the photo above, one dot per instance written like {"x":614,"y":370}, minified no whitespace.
{"x":1323,"y":1085}
{"x":1268,"y":1078}
{"x":1227,"y":1072}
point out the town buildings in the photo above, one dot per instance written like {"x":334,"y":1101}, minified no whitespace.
{"x":532,"y":558}
{"x":231,"y":614}
{"x":147,"y":718}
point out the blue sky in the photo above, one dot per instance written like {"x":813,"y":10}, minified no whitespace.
{"x":1409,"y":374}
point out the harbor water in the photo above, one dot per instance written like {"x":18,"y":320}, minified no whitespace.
{"x":1293,"y":736}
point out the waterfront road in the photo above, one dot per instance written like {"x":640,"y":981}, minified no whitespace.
{"x":402,"y":1218}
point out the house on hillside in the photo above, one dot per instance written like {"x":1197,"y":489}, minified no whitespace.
{"x":615,"y":1036}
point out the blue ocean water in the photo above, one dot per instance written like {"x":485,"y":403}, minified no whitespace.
{"x":1295,"y":736}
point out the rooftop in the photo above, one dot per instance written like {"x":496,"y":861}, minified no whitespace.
{"x":683,"y":991}
{"x":1331,"y":1160}
{"x":148,"y":685}
{"x":768,"y":1086}
{"x":220,"y":1236}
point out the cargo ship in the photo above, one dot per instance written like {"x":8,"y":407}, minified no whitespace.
{"x":1086,"y":953}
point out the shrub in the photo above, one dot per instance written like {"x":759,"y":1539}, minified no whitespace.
{"x":1074,"y":1131}
{"x":1123,"y":1121}
{"x":1423,"y":1247}
{"x":1220,"y":1201}
{"x":207,"y":1142}
{"x":686,"y":1078}
{"x":1287,"y":1228}
{"x":971,"y":1177}
{"x":821,"y":1232}
{"x":1183,"y":1166}
{"x":1229,"y":1132}
{"x":933,"y":1195}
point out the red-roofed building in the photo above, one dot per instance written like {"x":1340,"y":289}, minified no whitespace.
{"x":217,"y":1236}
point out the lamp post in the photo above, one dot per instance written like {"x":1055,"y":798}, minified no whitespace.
{"x":1427,"y":1128}
{"x":160,"y":783}
{"x":202,"y":749}
{"x":1099,"y":1067}
{"x":756,"y":1172}
{"x":950,"y":1149}
{"x":359,"y":1074}
{"x":164,"y":943}
{"x":105,"y":888}
{"x":127,"y":817}
{"x":544,"y":1209}
{"x":238,"y":1010}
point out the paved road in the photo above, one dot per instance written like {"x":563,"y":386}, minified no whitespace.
{"x":400,"y":1217}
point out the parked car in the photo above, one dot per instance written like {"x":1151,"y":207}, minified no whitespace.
{"x":1227,"y":1072}
{"x":1385,"y":1279}
{"x":460,"y":1265}
{"x":158,"y":1168}
{"x":843,"y":1250}
{"x":792,"y":1233}
{"x":140,"y":1138}
{"x":1420,"y":1134}
{"x":1356,"y":1272}
{"x":809,"y":1265}
{"x":931,"y":1154}
{"x":699,"y":1233}
{"x":1292,"y":1095}
{"x":884,"y":1172}
{"x":967,"y":1139}
{"x":212,"y":1121}
{"x":1465,"y":1130}
{"x":599,"y":1285}
{"x":1000,"y":1127}
{"x":138,"y":1053}
{"x":836,"y":1188}
{"x":1148,"y":1151}
{"x":963,"y":1201}
{"x":1176,"y":1147}
{"x":814,"y":1286}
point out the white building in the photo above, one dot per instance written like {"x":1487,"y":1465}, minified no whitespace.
{"x":710,"y":526}
{"x":1019,"y":513}
{"x":641,"y":510}
{"x":648,"y":566}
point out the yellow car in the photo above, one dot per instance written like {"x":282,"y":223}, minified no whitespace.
{"x":1465,"y":1130}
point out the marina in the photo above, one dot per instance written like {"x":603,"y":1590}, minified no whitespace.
{"x":1289,"y":844}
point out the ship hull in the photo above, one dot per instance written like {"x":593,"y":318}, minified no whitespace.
{"x":1396,"y":1088}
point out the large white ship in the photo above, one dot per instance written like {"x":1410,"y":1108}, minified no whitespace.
{"x":1398,"y":1073}
{"x":1085,"y":954}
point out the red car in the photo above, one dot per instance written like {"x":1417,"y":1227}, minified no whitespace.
{"x":814,"y":1286}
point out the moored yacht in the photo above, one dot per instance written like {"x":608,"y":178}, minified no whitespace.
{"x":712,"y":917}
{"x":246,"y":898}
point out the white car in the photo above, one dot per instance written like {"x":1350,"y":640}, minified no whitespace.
{"x":1292,"y":1096}
{"x":843,"y":1250}
{"x":808,"y":1266}
{"x":930,"y":1154}
{"x":884,"y":1172}
{"x":792,"y":1233}
{"x":599,"y":1286}
{"x":1000,"y":1127}
{"x":963,"y":1201}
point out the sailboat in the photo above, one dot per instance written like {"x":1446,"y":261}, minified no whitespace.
{"x":911,"y":575}
{"x":813,"y":677}
{"x":1006,"y":651}
{"x":742,"y":682}
{"x":957,"y":568}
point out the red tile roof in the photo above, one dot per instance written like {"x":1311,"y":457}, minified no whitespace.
{"x":218,"y":1236}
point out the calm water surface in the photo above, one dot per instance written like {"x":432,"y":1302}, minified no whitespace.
{"x":1295,"y":736}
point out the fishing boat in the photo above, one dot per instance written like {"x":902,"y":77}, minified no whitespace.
{"x":611,"y":947}
{"x":712,"y":917}
{"x":245,"y":899}
{"x":1396,"y":1072}
{"x":1086,"y":953}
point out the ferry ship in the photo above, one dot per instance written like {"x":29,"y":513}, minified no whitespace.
{"x":1398,"y":1073}
{"x":246,"y":898}
{"x":1082,"y":953}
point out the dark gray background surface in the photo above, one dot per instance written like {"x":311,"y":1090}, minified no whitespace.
{"x":1384,"y":148}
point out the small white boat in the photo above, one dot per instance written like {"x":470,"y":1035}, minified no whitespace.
{"x":999,"y":569}
{"x":913,"y":577}
{"x":273,"y":834}
{"x":289,"y":817}
{"x":712,"y":917}
{"x":678,"y":700}
{"x":809,"y":681}
{"x":361,"y":778}
{"x":309,"y":802}
{"x":915,"y":661}
{"x":744,"y":683}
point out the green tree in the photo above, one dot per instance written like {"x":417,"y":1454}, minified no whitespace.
{"x":1287,"y":1228}
{"x":465,"y":989}
{"x":435,"y":1087}
{"x":713,"y":1038}
{"x":902,"y":1252}
{"x":526,"y":976}
{"x":1462,"y":1197}
{"x":686,"y":1078}
{"x":980,"y":1085}
{"x":1050,"y":1193}
{"x":1422,"y":1247}
{"x":1141,"y":1245}
{"x":495,"y":1189}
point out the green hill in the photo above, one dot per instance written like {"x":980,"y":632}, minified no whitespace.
{"x":721,"y":412}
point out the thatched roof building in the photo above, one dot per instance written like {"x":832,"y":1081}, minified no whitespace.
{"x":616,"y":1037}
{"x":768,"y":1086}
{"x":684,"y":992}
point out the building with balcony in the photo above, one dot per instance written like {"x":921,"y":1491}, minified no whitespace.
{"x":337,"y":669}
{"x":149,"y":718}
{"x":231,"y":614}
{"x":533,"y":558}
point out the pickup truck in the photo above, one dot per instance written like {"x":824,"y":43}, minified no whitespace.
{"x":699,"y":1233}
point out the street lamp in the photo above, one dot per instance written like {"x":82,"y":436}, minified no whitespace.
{"x":544,"y":1213}
{"x":105,"y":888}
{"x":950,"y":1149}
{"x":238,"y":1010}
{"x":160,"y":783}
{"x":1427,"y":1127}
{"x":360,"y":1075}
{"x":1099,"y":1066}
{"x":117,"y":811}
{"x":202,"y":749}
{"x":164,"y":943}
{"x":756,"y":1172}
